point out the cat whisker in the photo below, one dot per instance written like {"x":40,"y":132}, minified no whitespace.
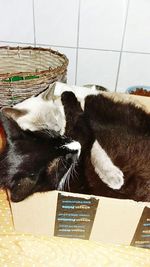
{"x":74,"y":174}
{"x":70,"y":174}
{"x":57,"y":163}
{"x":63,"y":163}
{"x":62,"y":183}
{"x":68,"y":179}
{"x":66,"y":184}
{"x":74,"y":169}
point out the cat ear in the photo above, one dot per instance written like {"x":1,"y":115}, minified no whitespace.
{"x":10,"y":126}
{"x":13,"y":113}
{"x":48,"y":94}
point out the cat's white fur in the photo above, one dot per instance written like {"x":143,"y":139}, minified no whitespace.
{"x":104,"y":167}
{"x":41,"y":114}
{"x":74,"y":145}
{"x":50,"y":114}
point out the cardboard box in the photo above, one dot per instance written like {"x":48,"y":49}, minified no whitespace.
{"x":83,"y":216}
{"x":87,"y":217}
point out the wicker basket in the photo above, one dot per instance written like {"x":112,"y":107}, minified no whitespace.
{"x":26,"y":71}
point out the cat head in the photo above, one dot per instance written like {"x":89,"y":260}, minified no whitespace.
{"x":43,"y":111}
{"x":34,"y":161}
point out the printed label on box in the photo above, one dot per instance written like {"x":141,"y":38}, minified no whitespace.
{"x":75,"y":216}
{"x":142,"y":235}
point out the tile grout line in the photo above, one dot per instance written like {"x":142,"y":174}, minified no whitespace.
{"x":34,"y":30}
{"x":77,"y":48}
{"x":82,"y":48}
{"x":136,"y":52}
{"x":12,"y":42}
{"x":123,"y":37}
{"x":96,"y":49}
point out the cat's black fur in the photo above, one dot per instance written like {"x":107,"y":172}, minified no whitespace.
{"x":123,"y":131}
{"x":30,"y":162}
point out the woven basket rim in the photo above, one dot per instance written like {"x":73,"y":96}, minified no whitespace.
{"x":57,"y":70}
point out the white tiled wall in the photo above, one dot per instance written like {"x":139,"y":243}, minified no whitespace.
{"x":107,"y":41}
{"x":102,"y":23}
{"x":135,"y":70}
{"x":16,"y":21}
{"x":56,"y":22}
{"x":97,"y":66}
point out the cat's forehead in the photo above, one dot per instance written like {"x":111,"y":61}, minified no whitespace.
{"x":34,"y":103}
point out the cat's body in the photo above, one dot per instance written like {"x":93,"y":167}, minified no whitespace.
{"x":104,"y":128}
{"x":123,"y":131}
{"x":46,"y":111}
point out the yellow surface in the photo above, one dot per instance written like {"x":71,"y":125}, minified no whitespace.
{"x":29,"y":250}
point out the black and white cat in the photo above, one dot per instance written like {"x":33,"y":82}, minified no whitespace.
{"x":29,"y":161}
{"x":122,"y":130}
{"x":38,"y":161}
{"x":46,"y":111}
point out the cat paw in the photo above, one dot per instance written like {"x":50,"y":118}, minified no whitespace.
{"x":104,"y":167}
{"x":115,"y":178}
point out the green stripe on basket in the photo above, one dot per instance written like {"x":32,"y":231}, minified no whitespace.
{"x":20,"y":78}
{"x":31,"y":77}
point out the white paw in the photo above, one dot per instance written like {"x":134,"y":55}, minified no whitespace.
{"x":104,"y":167}
{"x":114,"y":178}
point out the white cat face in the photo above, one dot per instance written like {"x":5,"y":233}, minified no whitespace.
{"x":40,"y":112}
{"x":46,"y":111}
